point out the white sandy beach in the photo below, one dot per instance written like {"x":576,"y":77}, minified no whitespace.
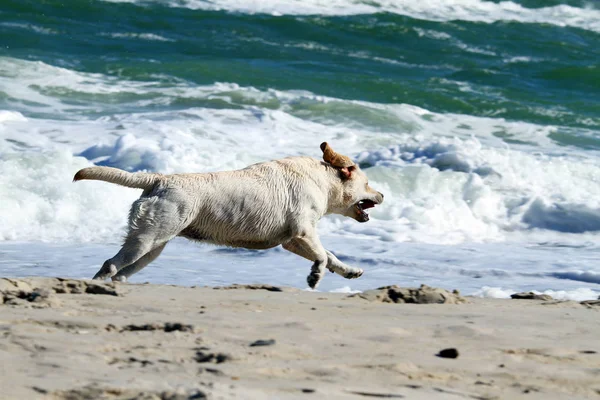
{"x":68,"y":339}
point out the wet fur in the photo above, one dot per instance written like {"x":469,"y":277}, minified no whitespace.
{"x":262,"y":206}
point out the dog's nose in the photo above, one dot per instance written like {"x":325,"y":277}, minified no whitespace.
{"x":381,"y":196}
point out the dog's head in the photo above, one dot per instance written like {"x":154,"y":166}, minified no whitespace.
{"x":357,"y":196}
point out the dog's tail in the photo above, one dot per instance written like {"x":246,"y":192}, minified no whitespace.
{"x":138,"y":180}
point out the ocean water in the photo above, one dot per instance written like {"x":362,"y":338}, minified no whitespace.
{"x":478,"y":120}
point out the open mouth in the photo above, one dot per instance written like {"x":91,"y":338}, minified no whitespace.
{"x":360,"y":208}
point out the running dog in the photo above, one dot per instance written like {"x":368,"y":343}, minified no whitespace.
{"x":259,"y":207}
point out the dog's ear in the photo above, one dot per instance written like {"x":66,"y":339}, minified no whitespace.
{"x":347,"y":171}
{"x":335,"y":159}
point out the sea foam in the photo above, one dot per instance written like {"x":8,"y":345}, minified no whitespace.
{"x":579,"y":294}
{"x":433,"y":10}
{"x":448,"y":178}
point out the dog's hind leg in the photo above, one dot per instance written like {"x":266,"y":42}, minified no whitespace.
{"x":153,"y":221}
{"x":134,"y":248}
{"x":333,"y":264}
{"x":146,"y":259}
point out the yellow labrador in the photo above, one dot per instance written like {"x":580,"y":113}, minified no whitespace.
{"x":262,"y":206}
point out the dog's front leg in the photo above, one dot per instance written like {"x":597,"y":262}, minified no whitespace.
{"x":309,"y":246}
{"x":335,"y":265}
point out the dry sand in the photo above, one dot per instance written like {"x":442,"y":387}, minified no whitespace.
{"x":68,"y":339}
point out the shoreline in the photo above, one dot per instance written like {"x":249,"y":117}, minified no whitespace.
{"x":188,"y":264}
{"x":67,"y":339}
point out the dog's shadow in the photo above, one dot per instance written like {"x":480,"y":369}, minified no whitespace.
{"x":244,"y":252}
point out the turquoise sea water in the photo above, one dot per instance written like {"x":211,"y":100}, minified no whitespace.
{"x":534,"y":72}
{"x":480,"y":120}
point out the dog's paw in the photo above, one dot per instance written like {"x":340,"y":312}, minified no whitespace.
{"x":108,"y":270}
{"x":313,"y":280}
{"x":353,"y":273}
